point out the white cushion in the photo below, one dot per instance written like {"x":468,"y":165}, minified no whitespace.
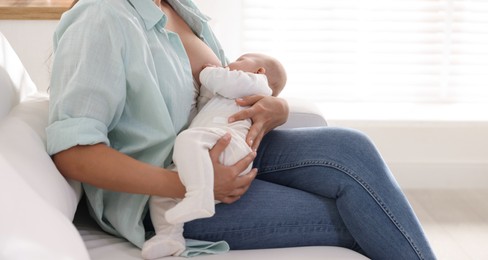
{"x":303,"y":113}
{"x":8,"y":96}
{"x":102,"y":246}
{"x":30,"y":227}
{"x":22,"y":144}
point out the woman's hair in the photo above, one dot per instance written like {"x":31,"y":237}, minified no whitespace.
{"x":73,"y":4}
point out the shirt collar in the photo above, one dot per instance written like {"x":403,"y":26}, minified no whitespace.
{"x":152,"y":15}
{"x":191,"y":14}
{"x":149,"y":12}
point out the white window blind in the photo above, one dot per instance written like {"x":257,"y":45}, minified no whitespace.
{"x":420,"y":51}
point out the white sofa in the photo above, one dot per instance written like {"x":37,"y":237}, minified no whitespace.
{"x":40,"y":215}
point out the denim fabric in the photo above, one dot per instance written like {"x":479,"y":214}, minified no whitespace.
{"x":319,"y":186}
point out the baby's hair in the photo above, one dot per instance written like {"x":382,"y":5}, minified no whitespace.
{"x":276,"y":73}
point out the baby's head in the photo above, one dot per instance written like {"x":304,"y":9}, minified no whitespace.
{"x":262,"y":64}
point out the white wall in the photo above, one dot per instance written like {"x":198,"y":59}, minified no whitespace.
{"x":430,"y":154}
{"x":32,"y":40}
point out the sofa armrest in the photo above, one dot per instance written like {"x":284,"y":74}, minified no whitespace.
{"x":303,"y":114}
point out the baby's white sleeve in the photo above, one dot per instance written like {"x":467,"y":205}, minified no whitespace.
{"x":234,"y":83}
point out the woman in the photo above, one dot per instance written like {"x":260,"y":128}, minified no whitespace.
{"x":121,"y":90}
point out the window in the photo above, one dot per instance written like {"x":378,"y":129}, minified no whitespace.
{"x":391,"y":51}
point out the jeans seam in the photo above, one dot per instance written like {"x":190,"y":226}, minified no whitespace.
{"x":283,"y":229}
{"x":315,"y":227}
{"x":355,"y":177}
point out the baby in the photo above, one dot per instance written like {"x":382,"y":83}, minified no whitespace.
{"x":250,"y":74}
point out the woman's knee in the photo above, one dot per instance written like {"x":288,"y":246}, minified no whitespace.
{"x":340,"y":141}
{"x":322,"y":145}
{"x":354,"y":139}
{"x":355,"y":147}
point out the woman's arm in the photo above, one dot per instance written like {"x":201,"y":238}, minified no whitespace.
{"x":106,"y":168}
{"x":266,"y":113}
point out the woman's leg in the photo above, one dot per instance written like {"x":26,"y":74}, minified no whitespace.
{"x":319,"y":186}
{"x":271,"y":216}
{"x":344,"y":165}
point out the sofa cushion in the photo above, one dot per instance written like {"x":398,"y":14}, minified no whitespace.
{"x":303,"y":113}
{"x":8,"y":96}
{"x":103,"y":246}
{"x":22,"y":144}
{"x":30,"y":227}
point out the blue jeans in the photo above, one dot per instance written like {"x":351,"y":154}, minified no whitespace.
{"x":319,"y":186}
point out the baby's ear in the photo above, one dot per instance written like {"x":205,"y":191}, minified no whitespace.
{"x":261,"y":70}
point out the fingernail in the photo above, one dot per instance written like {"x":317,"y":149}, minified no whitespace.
{"x":231,"y":119}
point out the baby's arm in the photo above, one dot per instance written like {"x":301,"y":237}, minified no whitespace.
{"x":235,"y":83}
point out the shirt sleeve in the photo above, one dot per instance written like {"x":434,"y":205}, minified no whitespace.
{"x":87,"y":91}
{"x":234,"y":83}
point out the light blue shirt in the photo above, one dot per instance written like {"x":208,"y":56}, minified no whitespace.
{"x":120,"y":78}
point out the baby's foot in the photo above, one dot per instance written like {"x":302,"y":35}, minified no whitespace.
{"x":161,"y":246}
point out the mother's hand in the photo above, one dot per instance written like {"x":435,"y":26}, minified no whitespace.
{"x":266,"y":113}
{"x":228,"y":185}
